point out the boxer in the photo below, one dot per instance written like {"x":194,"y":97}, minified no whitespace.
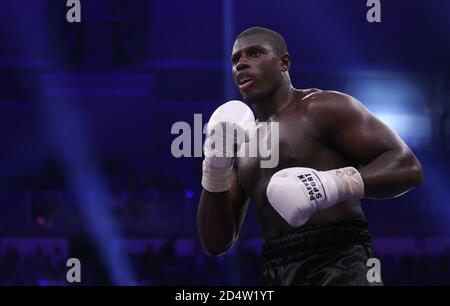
{"x":332,"y":154}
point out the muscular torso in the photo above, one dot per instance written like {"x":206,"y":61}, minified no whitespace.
{"x":301,"y":145}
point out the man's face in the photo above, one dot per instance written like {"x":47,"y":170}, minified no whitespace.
{"x":256,"y":67}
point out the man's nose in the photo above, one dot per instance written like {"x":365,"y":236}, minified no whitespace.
{"x":242,"y":64}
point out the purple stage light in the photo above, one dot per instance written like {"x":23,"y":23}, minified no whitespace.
{"x":189,"y":194}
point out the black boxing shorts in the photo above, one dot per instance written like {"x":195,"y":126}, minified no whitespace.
{"x":333,"y":254}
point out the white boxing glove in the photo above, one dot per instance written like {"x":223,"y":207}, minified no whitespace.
{"x":229,"y":127}
{"x":297,"y":193}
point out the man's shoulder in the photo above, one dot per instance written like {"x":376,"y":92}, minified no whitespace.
{"x":316,"y":100}
{"x":329,"y":106}
{"x":330,"y":96}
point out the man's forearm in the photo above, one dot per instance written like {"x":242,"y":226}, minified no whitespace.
{"x":391,"y":174}
{"x":215,"y":222}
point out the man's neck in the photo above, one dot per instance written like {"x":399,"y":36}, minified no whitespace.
{"x":272,"y":105}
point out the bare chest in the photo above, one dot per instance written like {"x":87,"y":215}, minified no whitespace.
{"x":296,"y":145}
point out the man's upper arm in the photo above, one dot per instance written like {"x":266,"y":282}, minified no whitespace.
{"x":350,"y":127}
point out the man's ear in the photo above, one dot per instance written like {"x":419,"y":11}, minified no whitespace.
{"x":285,"y":62}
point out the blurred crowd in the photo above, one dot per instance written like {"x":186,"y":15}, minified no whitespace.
{"x":150,"y":267}
{"x":164,"y":267}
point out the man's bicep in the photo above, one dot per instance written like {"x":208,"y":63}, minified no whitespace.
{"x":359,"y":134}
{"x":364,"y":140}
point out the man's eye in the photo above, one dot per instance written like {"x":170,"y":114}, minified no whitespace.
{"x":255,"y":53}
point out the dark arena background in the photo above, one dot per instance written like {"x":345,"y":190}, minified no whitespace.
{"x":87,"y":108}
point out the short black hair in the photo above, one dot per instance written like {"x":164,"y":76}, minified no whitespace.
{"x":273,"y":38}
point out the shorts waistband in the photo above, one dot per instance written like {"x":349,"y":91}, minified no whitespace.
{"x":317,"y":236}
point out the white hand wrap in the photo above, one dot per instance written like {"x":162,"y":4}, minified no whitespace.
{"x":216,"y":179}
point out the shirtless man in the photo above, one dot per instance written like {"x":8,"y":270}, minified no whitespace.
{"x":332,"y":153}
